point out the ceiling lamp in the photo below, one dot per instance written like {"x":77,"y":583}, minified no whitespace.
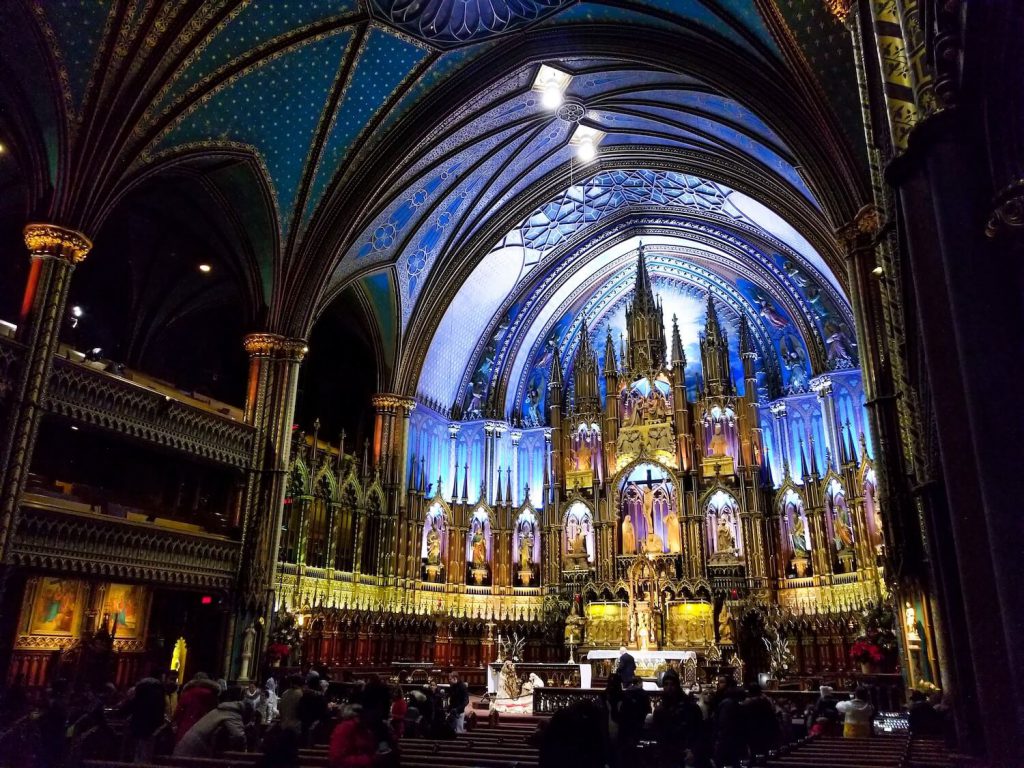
{"x":585,"y":139}
{"x":205,"y":268}
{"x":551,"y":84}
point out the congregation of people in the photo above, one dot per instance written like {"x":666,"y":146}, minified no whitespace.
{"x":205,"y":718}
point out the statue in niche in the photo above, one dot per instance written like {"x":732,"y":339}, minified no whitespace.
{"x":576,"y":544}
{"x":628,"y":536}
{"x":675,"y":544}
{"x":583,"y":455}
{"x":719,"y":443}
{"x":800,"y":547}
{"x":643,"y":629}
{"x":725,"y":626}
{"x":844,"y":536}
{"x":726,"y":539}
{"x":910,"y":621}
{"x":433,"y":546}
{"x":479,"y":548}
{"x":525,"y":551}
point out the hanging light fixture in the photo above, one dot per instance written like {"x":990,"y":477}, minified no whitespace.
{"x":551,"y":83}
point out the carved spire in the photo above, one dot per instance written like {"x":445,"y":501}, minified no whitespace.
{"x":455,"y":483}
{"x":508,"y":486}
{"x":610,"y":367}
{"x":678,"y":355}
{"x":498,"y":499}
{"x":556,"y":370}
{"x":714,"y":352}
{"x":645,"y":324}
{"x":586,"y":396}
{"x":465,"y":482}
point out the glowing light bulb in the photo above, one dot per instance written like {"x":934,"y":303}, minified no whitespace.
{"x":586,"y":150}
{"x":551,"y":96}
{"x":205,"y":268}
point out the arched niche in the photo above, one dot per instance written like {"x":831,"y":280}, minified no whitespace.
{"x":798,"y":543}
{"x":478,"y":541}
{"x":839,"y":516}
{"x":721,"y":437}
{"x":724,"y":534}
{"x":648,"y":511}
{"x":578,"y":535}
{"x":526,"y":548}
{"x":434,"y":544}
{"x":873,"y":510}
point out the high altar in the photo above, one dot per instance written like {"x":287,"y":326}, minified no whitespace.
{"x":669,"y":503}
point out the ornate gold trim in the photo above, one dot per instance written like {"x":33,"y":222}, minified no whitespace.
{"x":841,"y":9}
{"x":275,"y":345}
{"x":390,"y":400}
{"x":868,"y":222}
{"x":54,"y":240}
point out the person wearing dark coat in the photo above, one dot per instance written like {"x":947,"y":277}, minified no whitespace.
{"x":677,"y":722}
{"x":218,"y":730}
{"x":759,"y":722}
{"x":146,"y":708}
{"x":729,"y":739}
{"x":626,"y":667}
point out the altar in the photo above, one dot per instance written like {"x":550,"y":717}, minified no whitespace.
{"x":647,"y":662}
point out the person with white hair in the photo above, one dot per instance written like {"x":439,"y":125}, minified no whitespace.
{"x":626,"y":667}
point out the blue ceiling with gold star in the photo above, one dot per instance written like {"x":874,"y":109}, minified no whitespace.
{"x":311,"y":92}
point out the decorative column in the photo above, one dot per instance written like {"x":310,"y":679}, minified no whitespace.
{"x":779,"y":411}
{"x":488,"y":468}
{"x":54,"y":253}
{"x":270,"y":405}
{"x":453,"y":448}
{"x":516,"y":435}
{"x":822,"y":387}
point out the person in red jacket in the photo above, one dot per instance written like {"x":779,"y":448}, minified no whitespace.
{"x":362,"y":739}
{"x":199,"y":696}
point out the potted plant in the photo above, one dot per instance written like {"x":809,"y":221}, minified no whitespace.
{"x":867,"y":654}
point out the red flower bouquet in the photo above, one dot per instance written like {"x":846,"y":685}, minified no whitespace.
{"x":866,"y":652}
{"x":278,"y":651}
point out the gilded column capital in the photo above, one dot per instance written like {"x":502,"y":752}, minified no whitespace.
{"x":274,"y":345}
{"x":867,"y":223}
{"x":389,"y":400}
{"x":60,"y":242}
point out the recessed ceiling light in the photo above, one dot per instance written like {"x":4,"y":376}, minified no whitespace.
{"x":585,"y":139}
{"x":2,"y":149}
{"x":204,"y":268}
{"x":551,"y":83}
{"x":74,"y":428}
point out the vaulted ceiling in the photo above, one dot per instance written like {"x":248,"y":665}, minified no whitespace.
{"x":366,"y":145}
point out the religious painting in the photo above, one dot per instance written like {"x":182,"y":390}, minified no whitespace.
{"x":57,"y":607}
{"x":124,"y":606}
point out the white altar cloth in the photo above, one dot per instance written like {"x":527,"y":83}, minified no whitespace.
{"x":643,"y":658}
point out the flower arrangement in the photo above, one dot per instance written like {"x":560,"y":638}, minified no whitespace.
{"x":278,"y":650}
{"x":866,"y":652}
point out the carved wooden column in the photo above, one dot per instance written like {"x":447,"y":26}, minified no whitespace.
{"x":54,"y":252}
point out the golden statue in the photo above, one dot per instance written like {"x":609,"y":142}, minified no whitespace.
{"x":583,"y":455}
{"x":479,"y":547}
{"x":628,"y":536}
{"x":648,"y":508}
{"x":525,"y":552}
{"x":725,"y":626}
{"x":675,"y":544}
{"x":718,"y":444}
{"x":433,"y":547}
{"x":725,"y":536}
